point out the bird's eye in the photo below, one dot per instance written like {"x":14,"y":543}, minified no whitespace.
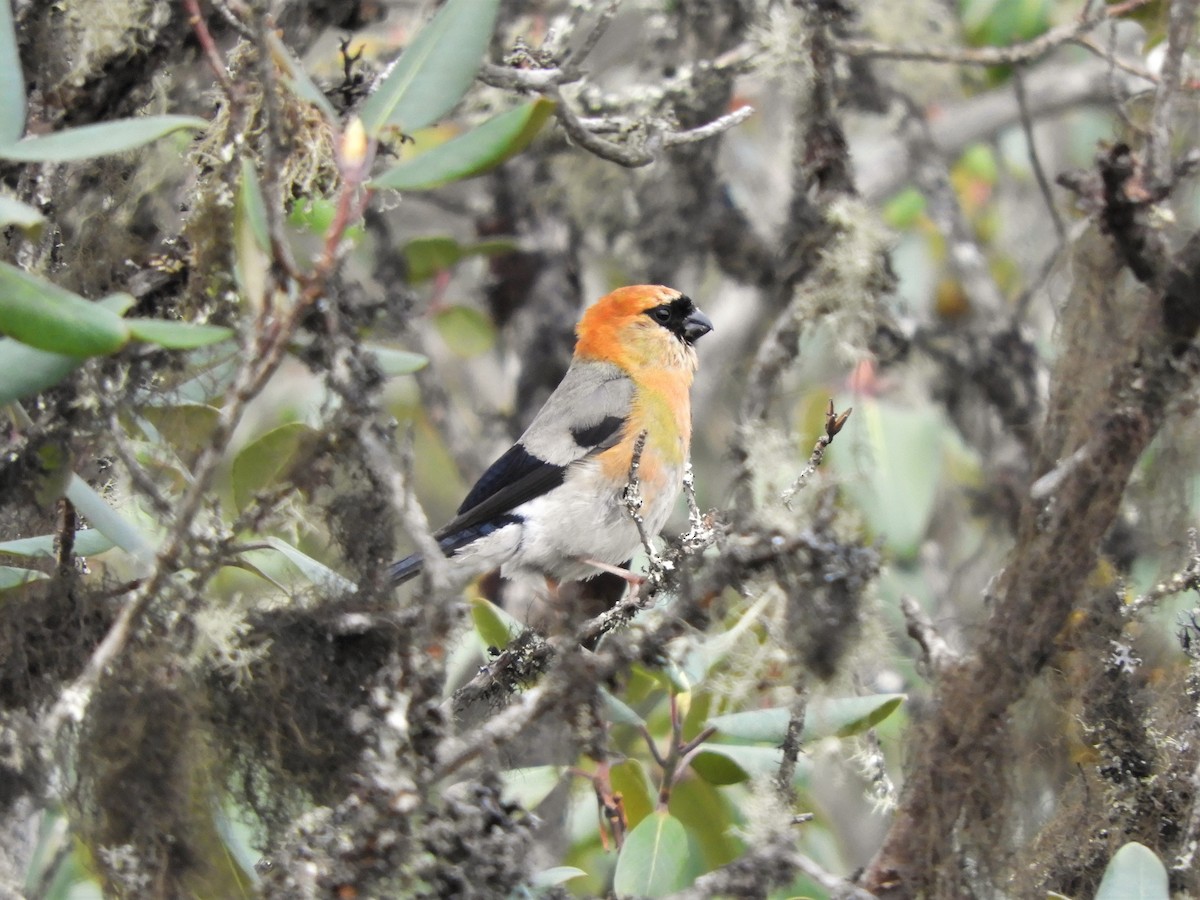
{"x":662,"y":314}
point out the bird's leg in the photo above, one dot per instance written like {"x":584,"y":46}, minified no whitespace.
{"x":633,"y":578}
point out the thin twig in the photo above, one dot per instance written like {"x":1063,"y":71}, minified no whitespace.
{"x":792,"y":744}
{"x":412,"y":517}
{"x":623,"y":154}
{"x":834,"y":421}
{"x":1013,"y":54}
{"x":1035,"y":160}
{"x":711,"y":129}
{"x":196,"y":19}
{"x":137,"y":475}
{"x":1186,"y":579}
{"x":631,"y":496}
{"x":938,"y":654}
{"x":1110,"y":56}
{"x":576,"y":57}
{"x":1181,"y":28}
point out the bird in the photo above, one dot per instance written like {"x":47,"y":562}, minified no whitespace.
{"x":553,"y":504}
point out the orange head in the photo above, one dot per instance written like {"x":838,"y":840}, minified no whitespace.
{"x":643,"y":327}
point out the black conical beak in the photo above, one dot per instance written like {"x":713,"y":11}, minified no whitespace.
{"x":696,"y":326}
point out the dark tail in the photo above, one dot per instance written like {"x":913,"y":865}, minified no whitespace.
{"x":411,"y":566}
{"x":407,"y":568}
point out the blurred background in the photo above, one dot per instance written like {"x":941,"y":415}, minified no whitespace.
{"x":902,"y":208}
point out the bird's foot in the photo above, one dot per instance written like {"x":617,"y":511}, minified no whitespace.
{"x":631,"y":577}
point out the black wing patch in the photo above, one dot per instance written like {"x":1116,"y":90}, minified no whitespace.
{"x":593,"y":436}
{"x":514,"y":478}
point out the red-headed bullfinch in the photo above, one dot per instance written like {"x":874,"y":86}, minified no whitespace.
{"x":553,"y":504}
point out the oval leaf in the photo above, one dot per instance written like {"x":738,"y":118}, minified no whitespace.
{"x":731,"y":763}
{"x":396,"y":362}
{"x":1134,"y":873}
{"x":108,"y":521}
{"x":901,"y":473}
{"x":494,"y":625}
{"x":185,"y":426}
{"x":479,"y":150}
{"x":839,"y":716}
{"x":14,"y":212}
{"x":435,"y":70}
{"x":553,"y":877}
{"x":530,"y":786}
{"x":12,"y":82}
{"x":846,"y":716}
{"x":467,"y":332}
{"x":653,"y":860}
{"x":426,"y":257}
{"x":47,"y":317}
{"x":177,"y":335}
{"x":101,"y":139}
{"x":12,"y":577}
{"x":25,"y":370}
{"x":617,"y":711}
{"x":88,"y":542}
{"x":630,"y":779}
{"x":261,"y":461}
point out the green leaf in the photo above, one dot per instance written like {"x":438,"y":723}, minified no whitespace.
{"x":108,"y":521}
{"x":12,"y":577}
{"x":904,"y":209}
{"x":101,"y":139}
{"x":118,"y":304}
{"x":251,"y":243}
{"x":616,"y":711}
{"x":25,"y":371}
{"x":396,"y":362}
{"x":900,"y":472}
{"x":14,"y":212}
{"x":12,"y":82}
{"x":252,"y":205}
{"x":177,"y":335}
{"x":978,"y":162}
{"x":479,"y":150}
{"x":435,"y":70}
{"x":426,"y":257}
{"x":554,"y":876}
{"x":846,"y":716}
{"x":47,"y":317}
{"x":712,"y":821}
{"x":733,"y":763}
{"x":841,"y":717}
{"x":316,"y":572}
{"x":264,"y":459}
{"x":630,"y":779}
{"x":296,"y":78}
{"x":185,"y":426}
{"x":88,"y":542}
{"x":653,"y":859}
{"x":530,"y":786}
{"x":1134,"y":873}
{"x":717,"y":768}
{"x":494,"y":625}
{"x":466,"y":331}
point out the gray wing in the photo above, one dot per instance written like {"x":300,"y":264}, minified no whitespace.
{"x":585,"y":414}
